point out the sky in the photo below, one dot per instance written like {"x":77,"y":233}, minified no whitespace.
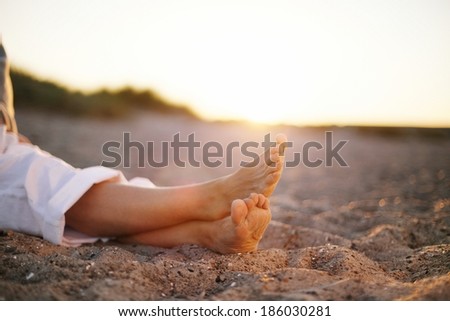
{"x":315,"y":62}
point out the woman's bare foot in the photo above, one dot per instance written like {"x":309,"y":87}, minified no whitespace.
{"x":242,"y":231}
{"x":261,"y":177}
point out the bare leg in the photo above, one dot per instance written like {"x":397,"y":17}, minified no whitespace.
{"x":112,"y":209}
{"x":240,"y":232}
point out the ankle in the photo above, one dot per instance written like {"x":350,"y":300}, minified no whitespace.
{"x":203,"y":235}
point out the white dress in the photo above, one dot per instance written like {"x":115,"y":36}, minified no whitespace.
{"x":36,"y":189}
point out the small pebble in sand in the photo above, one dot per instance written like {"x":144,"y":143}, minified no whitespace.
{"x":29,"y":276}
{"x":221,"y":278}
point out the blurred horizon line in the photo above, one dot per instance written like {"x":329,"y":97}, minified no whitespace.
{"x":115,"y":90}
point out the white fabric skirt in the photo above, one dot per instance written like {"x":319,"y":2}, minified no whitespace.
{"x":36,"y":190}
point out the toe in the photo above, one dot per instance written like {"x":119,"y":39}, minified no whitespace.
{"x":250,"y":203}
{"x":275,"y":156}
{"x":254,"y":197}
{"x":281,"y":138}
{"x":239,"y":211}
{"x":261,"y":200}
{"x":274,"y":151}
{"x":266,"y":204}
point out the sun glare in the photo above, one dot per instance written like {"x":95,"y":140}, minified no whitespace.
{"x":297,"y":62}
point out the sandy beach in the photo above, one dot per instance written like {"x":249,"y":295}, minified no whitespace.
{"x":377,"y":229}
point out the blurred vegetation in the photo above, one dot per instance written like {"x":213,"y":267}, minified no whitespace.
{"x":30,"y":92}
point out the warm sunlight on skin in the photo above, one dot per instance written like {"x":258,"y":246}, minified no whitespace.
{"x":297,"y":62}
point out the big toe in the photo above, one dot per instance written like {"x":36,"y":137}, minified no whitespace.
{"x":281,"y":138}
{"x":239,"y":211}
